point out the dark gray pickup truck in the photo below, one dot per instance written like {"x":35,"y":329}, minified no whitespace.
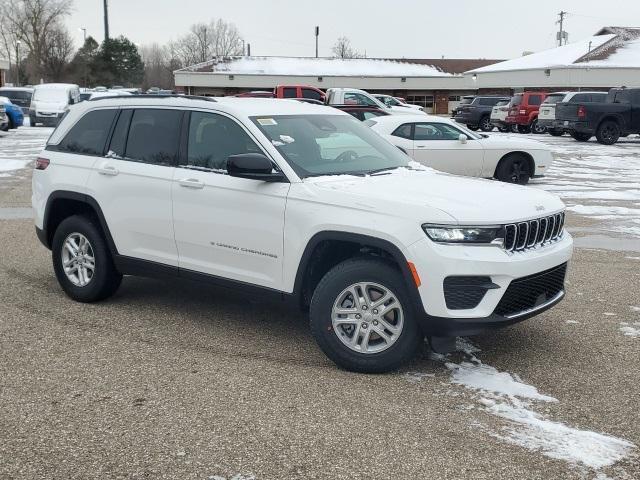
{"x":617,"y":117}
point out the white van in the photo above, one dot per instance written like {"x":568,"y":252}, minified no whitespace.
{"x":50,"y":101}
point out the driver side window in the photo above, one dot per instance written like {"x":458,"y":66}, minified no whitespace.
{"x":435,"y":131}
{"x":213,"y":138}
{"x":357,"y":99}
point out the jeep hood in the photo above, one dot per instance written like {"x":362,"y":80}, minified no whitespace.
{"x":420,"y":192}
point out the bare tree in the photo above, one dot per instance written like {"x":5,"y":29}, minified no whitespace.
{"x":205,"y":41}
{"x":158,"y":66}
{"x":35,"y":23}
{"x":343,"y":49}
{"x":57,"y":53}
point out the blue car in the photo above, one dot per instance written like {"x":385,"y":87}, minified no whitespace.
{"x":14,"y":112}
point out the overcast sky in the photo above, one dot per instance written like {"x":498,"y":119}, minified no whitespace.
{"x":382,"y":28}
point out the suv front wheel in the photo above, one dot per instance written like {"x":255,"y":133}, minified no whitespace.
{"x":362,"y":318}
{"x":82,"y":261}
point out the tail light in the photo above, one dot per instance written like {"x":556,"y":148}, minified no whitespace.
{"x":42,"y":163}
{"x":582,"y":112}
{"x":523,"y":112}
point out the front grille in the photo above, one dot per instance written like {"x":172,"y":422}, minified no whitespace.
{"x":528,"y":292}
{"x":465,"y":292}
{"x":533,"y":233}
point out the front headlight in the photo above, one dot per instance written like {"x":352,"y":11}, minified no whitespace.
{"x":463,"y":234}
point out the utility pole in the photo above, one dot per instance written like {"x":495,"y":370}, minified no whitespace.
{"x":18,"y":63}
{"x":106,"y":20}
{"x":317,"y":34}
{"x":562,"y":35}
{"x":248,"y":49}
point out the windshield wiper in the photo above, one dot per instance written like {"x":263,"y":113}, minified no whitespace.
{"x":334,"y":174}
{"x":379,"y":170}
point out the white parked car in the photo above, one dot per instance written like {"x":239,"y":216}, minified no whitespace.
{"x":353,"y":96}
{"x":449,"y":147}
{"x":390,"y":101}
{"x":50,"y":101}
{"x":547,"y":112}
{"x":301,"y":202}
{"x":499,"y":115}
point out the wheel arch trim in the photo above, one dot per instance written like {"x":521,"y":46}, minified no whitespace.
{"x":365,"y":240}
{"x":78,"y":197}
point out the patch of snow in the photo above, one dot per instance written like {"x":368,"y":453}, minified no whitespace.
{"x":489,"y":380}
{"x":609,"y":314}
{"x":630,"y":330}
{"x":635,"y":309}
{"x":323,"y":67}
{"x":572,"y":322}
{"x":557,"y":440}
{"x":554,"y":57}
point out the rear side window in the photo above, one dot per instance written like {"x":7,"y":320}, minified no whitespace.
{"x":309,"y":93}
{"x":403,"y":131}
{"x":154,"y":136}
{"x":535,"y":99}
{"x":289,"y":93}
{"x":490,"y":102}
{"x":89,"y":135}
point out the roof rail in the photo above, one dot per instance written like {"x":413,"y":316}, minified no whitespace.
{"x":151,"y":95}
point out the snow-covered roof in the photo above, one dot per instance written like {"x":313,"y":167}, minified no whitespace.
{"x":317,"y":67}
{"x":555,"y":57}
{"x":610,"y":47}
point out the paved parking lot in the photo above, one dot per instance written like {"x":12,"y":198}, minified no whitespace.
{"x":176,"y":380}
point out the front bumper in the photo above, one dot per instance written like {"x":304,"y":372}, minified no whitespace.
{"x":435,"y":262}
{"x":45,"y":118}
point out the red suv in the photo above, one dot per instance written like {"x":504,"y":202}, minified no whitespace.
{"x":523,"y":112}
{"x":298,"y":91}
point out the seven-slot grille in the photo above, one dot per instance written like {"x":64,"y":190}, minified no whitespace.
{"x":530,"y":234}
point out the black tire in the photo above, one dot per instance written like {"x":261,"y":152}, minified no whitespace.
{"x":608,"y":132}
{"x":537,"y":128}
{"x":581,"y":137}
{"x":524,"y":129}
{"x":485,"y":124}
{"x":343,"y":275}
{"x":513,"y":128}
{"x":556,"y":133}
{"x":514,"y":168}
{"x":473,"y":128}
{"x":105,"y":279}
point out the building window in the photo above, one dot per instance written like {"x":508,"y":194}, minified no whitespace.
{"x":319,"y":79}
{"x":455,"y":98}
{"x":231,"y":77}
{"x":425,"y":101}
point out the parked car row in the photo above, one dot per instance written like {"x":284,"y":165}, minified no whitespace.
{"x":584,"y":114}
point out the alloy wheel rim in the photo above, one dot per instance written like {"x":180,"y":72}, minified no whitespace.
{"x":367,"y":317}
{"x":78,"y":259}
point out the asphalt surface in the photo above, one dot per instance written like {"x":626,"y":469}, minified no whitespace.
{"x":179,"y":381}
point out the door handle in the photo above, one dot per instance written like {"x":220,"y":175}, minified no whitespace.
{"x":421,"y":146}
{"x":191,"y":183}
{"x":108,"y":170}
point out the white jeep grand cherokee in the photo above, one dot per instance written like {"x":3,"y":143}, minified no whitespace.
{"x":301,"y":201}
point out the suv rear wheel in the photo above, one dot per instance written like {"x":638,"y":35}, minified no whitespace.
{"x":82,"y":261}
{"x":485,"y":124}
{"x":537,"y":128}
{"x":362,"y":318}
{"x":524,"y":129}
{"x":608,"y":132}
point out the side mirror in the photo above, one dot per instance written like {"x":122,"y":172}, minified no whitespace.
{"x":462,"y":138}
{"x":254,"y":166}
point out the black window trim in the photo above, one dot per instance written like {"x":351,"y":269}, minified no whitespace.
{"x":460,"y":132}
{"x":183,"y":153}
{"x":55,"y":147}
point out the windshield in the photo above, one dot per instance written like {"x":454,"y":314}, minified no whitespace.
{"x":554,"y":98}
{"x":388,"y":101}
{"x":466,"y":100}
{"x":315,"y":145}
{"x":50,"y":95}
{"x":516,"y":100}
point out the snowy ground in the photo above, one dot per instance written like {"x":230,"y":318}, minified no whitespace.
{"x":597,"y":181}
{"x":18,"y":148}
